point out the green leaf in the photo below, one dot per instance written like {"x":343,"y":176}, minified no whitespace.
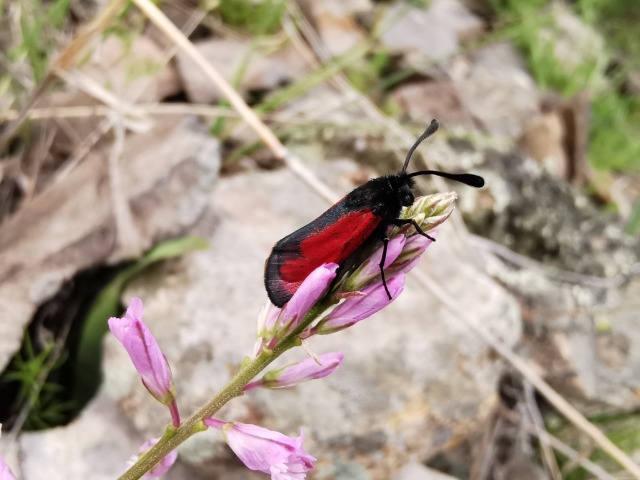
{"x":89,"y":353}
{"x":57,"y":12}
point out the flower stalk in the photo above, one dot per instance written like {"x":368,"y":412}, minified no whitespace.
{"x":234,"y":388}
{"x":354,"y":296}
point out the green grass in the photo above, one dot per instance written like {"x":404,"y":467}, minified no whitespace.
{"x":41,"y":398}
{"x":39,"y":23}
{"x":258,"y":18}
{"x":614,"y":135}
{"x":623,"y":429}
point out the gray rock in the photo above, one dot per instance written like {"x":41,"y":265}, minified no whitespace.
{"x":417,"y":471}
{"x":434,"y":32}
{"x":166,"y":176}
{"x":438,"y":99}
{"x":335,"y":21}
{"x":496,"y":89}
{"x":229,"y":56}
{"x":581,"y":326}
{"x":97,"y":445}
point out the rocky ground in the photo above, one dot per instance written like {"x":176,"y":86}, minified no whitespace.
{"x":534,"y":258}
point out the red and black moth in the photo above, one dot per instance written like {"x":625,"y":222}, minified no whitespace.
{"x":363,"y":214}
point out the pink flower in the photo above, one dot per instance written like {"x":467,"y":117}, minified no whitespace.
{"x":164,"y":465}
{"x":369,"y":270}
{"x":146,"y":355}
{"x":359,"y":307}
{"x":5,"y":471}
{"x":265,"y":450}
{"x":310,"y":291}
{"x":303,"y":371}
{"x":410,"y":255}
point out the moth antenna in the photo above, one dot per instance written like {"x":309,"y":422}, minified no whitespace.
{"x":431,"y":129}
{"x":467,"y":178}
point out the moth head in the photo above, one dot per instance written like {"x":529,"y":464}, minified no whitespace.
{"x":405,"y":195}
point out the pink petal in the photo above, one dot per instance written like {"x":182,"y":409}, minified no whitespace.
{"x":5,"y":471}
{"x":411,"y":253}
{"x":355,"y":309}
{"x":309,"y":292}
{"x":303,"y":371}
{"x":135,"y":309}
{"x":370,"y":268}
{"x":268,"y":451}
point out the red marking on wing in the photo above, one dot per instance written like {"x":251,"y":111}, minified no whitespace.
{"x":333,"y":243}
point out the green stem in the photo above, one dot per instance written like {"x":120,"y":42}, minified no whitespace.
{"x":234,"y":388}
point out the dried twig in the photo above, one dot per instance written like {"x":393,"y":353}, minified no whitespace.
{"x":138,"y":110}
{"x":538,"y":423}
{"x":176,"y":36}
{"x":575,"y":456}
{"x":578,"y":458}
{"x":97,"y":91}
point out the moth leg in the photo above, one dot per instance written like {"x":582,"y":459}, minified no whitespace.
{"x":398,"y":222}
{"x":385,"y":241}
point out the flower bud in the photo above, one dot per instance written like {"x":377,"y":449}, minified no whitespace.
{"x":146,"y":355}
{"x":431,"y":210}
{"x":369,"y":270}
{"x":355,"y":309}
{"x":292,"y":375}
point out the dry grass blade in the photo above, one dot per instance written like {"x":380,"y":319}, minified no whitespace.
{"x":97,"y":91}
{"x":136,"y":121}
{"x":38,"y":154}
{"x":576,"y":457}
{"x":538,"y":424}
{"x":143,"y":109}
{"x":65,"y":59}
